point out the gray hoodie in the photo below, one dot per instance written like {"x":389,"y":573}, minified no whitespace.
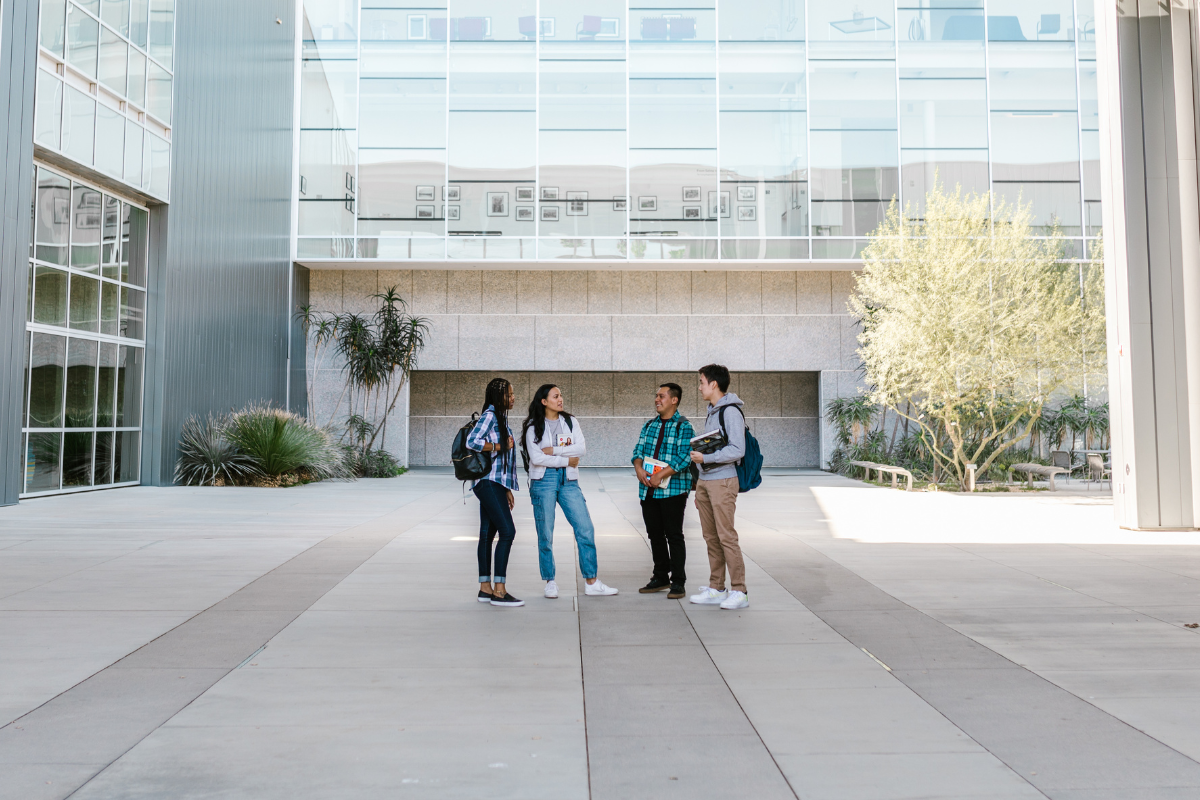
{"x":722,"y":464}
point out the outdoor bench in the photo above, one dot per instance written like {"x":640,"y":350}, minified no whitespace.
{"x":895,"y":472}
{"x":1036,"y":469}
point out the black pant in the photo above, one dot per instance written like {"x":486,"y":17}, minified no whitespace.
{"x":494,"y":517}
{"x":664,"y":526}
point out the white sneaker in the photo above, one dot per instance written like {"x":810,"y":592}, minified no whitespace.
{"x":736,"y":599}
{"x":598,"y":589}
{"x":708,"y":597}
{"x":551,"y":589}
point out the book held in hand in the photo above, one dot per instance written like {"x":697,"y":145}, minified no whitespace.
{"x":709,"y":442}
{"x":653,"y":465}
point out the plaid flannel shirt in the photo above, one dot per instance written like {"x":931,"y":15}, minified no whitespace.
{"x":675,"y":451}
{"x":504,"y":465}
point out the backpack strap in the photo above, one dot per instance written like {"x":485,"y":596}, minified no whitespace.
{"x":724,"y":430}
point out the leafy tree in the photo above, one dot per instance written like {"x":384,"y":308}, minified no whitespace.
{"x":969,"y":324}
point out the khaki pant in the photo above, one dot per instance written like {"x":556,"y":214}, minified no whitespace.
{"x":716,"y":501}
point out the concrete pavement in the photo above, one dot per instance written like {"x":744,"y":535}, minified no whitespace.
{"x":324,"y":641}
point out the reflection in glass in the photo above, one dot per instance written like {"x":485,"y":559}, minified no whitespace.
{"x":851,"y":21}
{"x":50,"y":296}
{"x":53,"y":217}
{"x":48,"y":113}
{"x":77,"y":459}
{"x":159,"y":163}
{"x":42,"y":473}
{"x":1032,"y":20}
{"x":394,"y":193}
{"x":408,"y":112}
{"x":115,"y":14}
{"x":133,"y":153}
{"x":87,"y":216}
{"x":949,"y":113}
{"x":104,"y":458}
{"x":129,"y":387}
{"x":762,"y":20}
{"x":330,"y":20}
{"x":134,"y":243}
{"x":158,"y":93}
{"x":162,"y":30}
{"x":114,"y":61}
{"x":110,"y":304}
{"x":127,"y":457}
{"x":942,"y":24}
{"x":133,"y":305}
{"x":110,"y":244}
{"x":85,"y":303}
{"x":54,"y":26}
{"x":48,"y":357}
{"x":137,"y":78}
{"x":139,"y":22}
{"x":83,"y":34}
{"x":327,"y":164}
{"x":963,"y":168}
{"x":106,"y":385}
{"x":329,"y":93}
{"x":79,"y":126}
{"x":110,"y":140}
{"x":81,"y":383}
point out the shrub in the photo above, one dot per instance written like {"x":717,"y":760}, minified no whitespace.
{"x":207,"y":457}
{"x":373,"y":463}
{"x":281,"y":443}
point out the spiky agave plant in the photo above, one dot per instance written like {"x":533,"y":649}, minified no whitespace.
{"x":206,"y":455}
{"x":280,"y":442}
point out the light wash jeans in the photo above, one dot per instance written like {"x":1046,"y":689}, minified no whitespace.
{"x":555,"y":489}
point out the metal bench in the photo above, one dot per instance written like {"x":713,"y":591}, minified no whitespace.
{"x":1036,"y":469}
{"x":895,"y":472}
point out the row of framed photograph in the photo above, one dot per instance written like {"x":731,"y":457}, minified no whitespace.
{"x":525,"y":213}
{"x":691,"y":194}
{"x":577,"y":203}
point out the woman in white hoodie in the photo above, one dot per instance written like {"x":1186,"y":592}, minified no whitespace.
{"x":553,"y":443}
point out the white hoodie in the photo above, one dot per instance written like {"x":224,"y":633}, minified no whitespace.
{"x":539,"y":461}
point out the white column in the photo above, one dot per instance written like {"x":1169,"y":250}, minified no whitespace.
{"x":1145,"y":55}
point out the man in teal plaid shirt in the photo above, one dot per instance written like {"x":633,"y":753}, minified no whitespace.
{"x":665,"y":438}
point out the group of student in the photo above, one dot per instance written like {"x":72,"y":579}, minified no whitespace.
{"x":552,"y":445}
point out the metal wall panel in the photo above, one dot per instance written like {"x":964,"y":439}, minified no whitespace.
{"x":218,"y":333}
{"x":18,"y":64}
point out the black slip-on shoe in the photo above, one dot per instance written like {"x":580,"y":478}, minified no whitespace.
{"x":677,"y":591}
{"x":484,"y":597}
{"x":508,"y":601}
{"x":655,"y":585}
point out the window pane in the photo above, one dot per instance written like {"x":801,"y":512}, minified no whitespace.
{"x":114,"y":61}
{"x":127,"y":458}
{"x":87,"y":215}
{"x":854,"y":22}
{"x":139,"y":21}
{"x":133,"y":304}
{"x":83,"y":34}
{"x":110,"y":296}
{"x":162,"y":30}
{"x":160,"y":166}
{"x":670,"y":190}
{"x":54,"y":25}
{"x":135,"y":227}
{"x":81,"y":383}
{"x":394,"y":183}
{"x":491,"y":19}
{"x":110,"y":140}
{"x":403,"y":113}
{"x":570,"y":21}
{"x":48,"y":366}
{"x":967,"y":169}
{"x":1019,"y":20}
{"x":133,"y":153}
{"x":110,"y":242}
{"x":85,"y":303}
{"x":48,"y":116}
{"x":137,"y":78}
{"x":115,"y":13}
{"x":53,"y":218}
{"x":42,"y":471}
{"x":129,"y":387}
{"x":79,"y":126}
{"x":327,"y":164}
{"x":943,"y":113}
{"x":158,"y":93}
{"x":50,"y":296}
{"x":328,"y":98}
{"x":761,"y":20}
{"x":672,"y":112}
{"x":104,"y":459}
{"x":1035,"y":146}
{"x":107,"y":385}
{"x":92,"y":6}
{"x":330,"y":20}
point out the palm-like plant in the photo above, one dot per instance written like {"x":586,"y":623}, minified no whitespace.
{"x":206,"y":455}
{"x":279,"y":442}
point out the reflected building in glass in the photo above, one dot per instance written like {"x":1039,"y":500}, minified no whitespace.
{"x":745,"y":131}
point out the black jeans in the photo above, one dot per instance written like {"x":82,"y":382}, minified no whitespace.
{"x":664,"y":526}
{"x":494,"y":517}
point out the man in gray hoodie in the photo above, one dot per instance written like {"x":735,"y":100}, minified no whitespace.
{"x":717,"y":492}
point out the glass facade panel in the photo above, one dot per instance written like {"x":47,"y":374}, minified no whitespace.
{"x":114,"y":61}
{"x":81,"y":383}
{"x":53,"y":20}
{"x":47,"y":372}
{"x":83,"y":40}
{"x":79,"y":126}
{"x":48,"y":110}
{"x":162,"y":31}
{"x":110,"y":140}
{"x":115,"y":14}
{"x":43,"y":473}
{"x":731,"y":130}
{"x":158,"y":93}
{"x":137,"y":78}
{"x":87,"y":214}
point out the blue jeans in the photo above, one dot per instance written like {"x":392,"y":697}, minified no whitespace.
{"x":494,"y":518}
{"x":555,"y":489}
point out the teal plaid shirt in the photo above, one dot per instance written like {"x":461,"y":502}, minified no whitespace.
{"x":676,"y":451}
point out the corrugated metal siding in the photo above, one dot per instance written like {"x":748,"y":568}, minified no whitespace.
{"x":219,"y":291}
{"x":18,"y":66}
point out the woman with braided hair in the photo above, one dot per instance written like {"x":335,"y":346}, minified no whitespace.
{"x":491,"y":434}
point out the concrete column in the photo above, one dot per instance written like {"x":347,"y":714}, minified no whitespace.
{"x":1146,"y":55}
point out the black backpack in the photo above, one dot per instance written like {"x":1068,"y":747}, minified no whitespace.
{"x":469,"y":465}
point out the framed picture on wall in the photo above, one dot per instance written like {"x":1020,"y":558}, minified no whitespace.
{"x":426,"y":193}
{"x":620,"y":203}
{"x":648,"y":203}
{"x":746,"y":213}
{"x":549,"y":213}
{"x":453,"y":193}
{"x":549,"y":192}
{"x":577,"y":204}
{"x":525,"y":213}
{"x":691,"y":194}
{"x":453,"y":212}
{"x":691,"y":212}
{"x":718,"y":204}
{"x":746,"y":194}
{"x":610,"y":28}
{"x":497,"y":204}
{"x":418,"y":26}
{"x":524,"y":194}
{"x":425,"y":212}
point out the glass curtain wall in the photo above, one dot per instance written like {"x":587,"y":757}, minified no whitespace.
{"x":686,"y":129}
{"x":85,"y":338}
{"x":123,"y":50}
